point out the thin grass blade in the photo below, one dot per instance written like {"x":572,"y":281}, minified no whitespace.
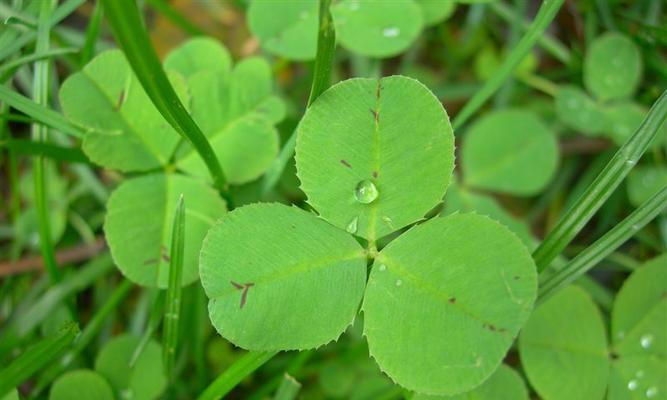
{"x":36,"y":358}
{"x":92,"y":34}
{"x":155,"y":318}
{"x":288,"y":389}
{"x":243,"y":367}
{"x":39,"y":149}
{"x":174,"y":291}
{"x":604,"y":246}
{"x":602,"y":187}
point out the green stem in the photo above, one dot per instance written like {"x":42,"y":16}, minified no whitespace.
{"x":28,"y":147}
{"x":602,"y":187}
{"x":174,"y":16}
{"x":326,"y":50}
{"x":539,"y":83}
{"x":546,"y":41}
{"x":243,"y":367}
{"x":7,"y":69}
{"x":604,"y":246}
{"x":545,"y":15}
{"x":92,"y":34}
{"x":127,"y":26}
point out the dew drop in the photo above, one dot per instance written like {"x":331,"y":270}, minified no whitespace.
{"x":632,"y":385}
{"x":365,"y":192}
{"x":639,"y":374}
{"x":382,"y":267}
{"x":646,"y":340}
{"x":631,"y":162}
{"x":391,"y":32}
{"x":352,"y":226}
{"x":651,"y":392}
{"x":399,"y":282}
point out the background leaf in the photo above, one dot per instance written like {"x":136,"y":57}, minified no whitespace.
{"x":612,"y":67}
{"x":81,"y":384}
{"x":510,"y":151}
{"x":352,"y":142}
{"x":435,"y":11}
{"x":563,"y":348}
{"x":293,"y":284}
{"x":376,"y":28}
{"x":138,"y":225}
{"x":145,"y":380}
{"x":644,"y":182}
{"x":444,"y":302}
{"x":124,"y":130}
{"x":579,"y":111}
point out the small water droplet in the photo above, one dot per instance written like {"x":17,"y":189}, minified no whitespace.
{"x":631,"y":162}
{"x":639,"y":374}
{"x":646,"y":340}
{"x":352,"y":226}
{"x":391,"y":32}
{"x":399,"y":282}
{"x":632,"y":385}
{"x":382,"y":267}
{"x":621,"y":334}
{"x":651,"y":392}
{"x":365,"y":192}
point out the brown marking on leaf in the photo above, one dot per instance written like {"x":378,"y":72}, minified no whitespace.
{"x":236,"y":285}
{"x":517,"y":277}
{"x":345,"y":163}
{"x":150,"y":261}
{"x":244,"y":295}
{"x":375,"y":174}
{"x":121,"y":100}
{"x":492,"y":327}
{"x":452,"y":300}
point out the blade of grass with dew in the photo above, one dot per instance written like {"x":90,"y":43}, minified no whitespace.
{"x":288,"y":389}
{"x":604,"y":246}
{"x":39,"y":134}
{"x":36,"y":357}
{"x":174,"y":290}
{"x":326,"y":50}
{"x":602,"y":187}
{"x":243,"y":367}
{"x":157,"y":311}
{"x":174,"y":16}
{"x":39,"y":113}
{"x":92,"y":34}
{"x":545,"y":15}
{"x":59,"y":153}
{"x":126,"y":23}
{"x":87,"y":335}
{"x":546,"y":41}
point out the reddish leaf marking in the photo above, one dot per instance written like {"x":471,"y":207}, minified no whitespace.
{"x":345,"y":163}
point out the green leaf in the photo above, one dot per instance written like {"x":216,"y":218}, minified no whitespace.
{"x":445,"y":301}
{"x":200,"y":53}
{"x":563,"y":348}
{"x":143,"y":381}
{"x":638,"y":378}
{"x":294,"y":284}
{"x":436,"y":11}
{"x":12,"y":395}
{"x":235,"y":109}
{"x":510,"y":151}
{"x":460,"y":199}
{"x":624,"y":118}
{"x":124,"y":129}
{"x":612,"y":67}
{"x":288,"y":30}
{"x":376,"y":28}
{"x":138,"y":222}
{"x":504,"y":384}
{"x":351,"y":143}
{"x":579,"y":112}
{"x":81,"y":384}
{"x":644,"y":182}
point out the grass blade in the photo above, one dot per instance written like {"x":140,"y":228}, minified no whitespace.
{"x":288,"y":389}
{"x":326,"y":50}
{"x":546,"y":41}
{"x":545,"y":15}
{"x":35,"y":358}
{"x":126,"y":23}
{"x":86,"y":337}
{"x":8,"y":69}
{"x":157,"y":310}
{"x":602,"y":187}
{"x":173,"y":311}
{"x":604,"y":246}
{"x":39,"y":113}
{"x":243,"y":367}
{"x":39,"y":134}
{"x":174,"y":16}
{"x":59,"y":153}
{"x":92,"y":33}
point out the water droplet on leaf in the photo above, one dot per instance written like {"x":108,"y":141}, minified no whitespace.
{"x":382,"y":267}
{"x":646,"y":340}
{"x":365,"y":192}
{"x":651,"y":392}
{"x":352,"y":226}
{"x":391,"y":32}
{"x":632,"y":385}
{"x":399,"y":282}
{"x":639,"y":374}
